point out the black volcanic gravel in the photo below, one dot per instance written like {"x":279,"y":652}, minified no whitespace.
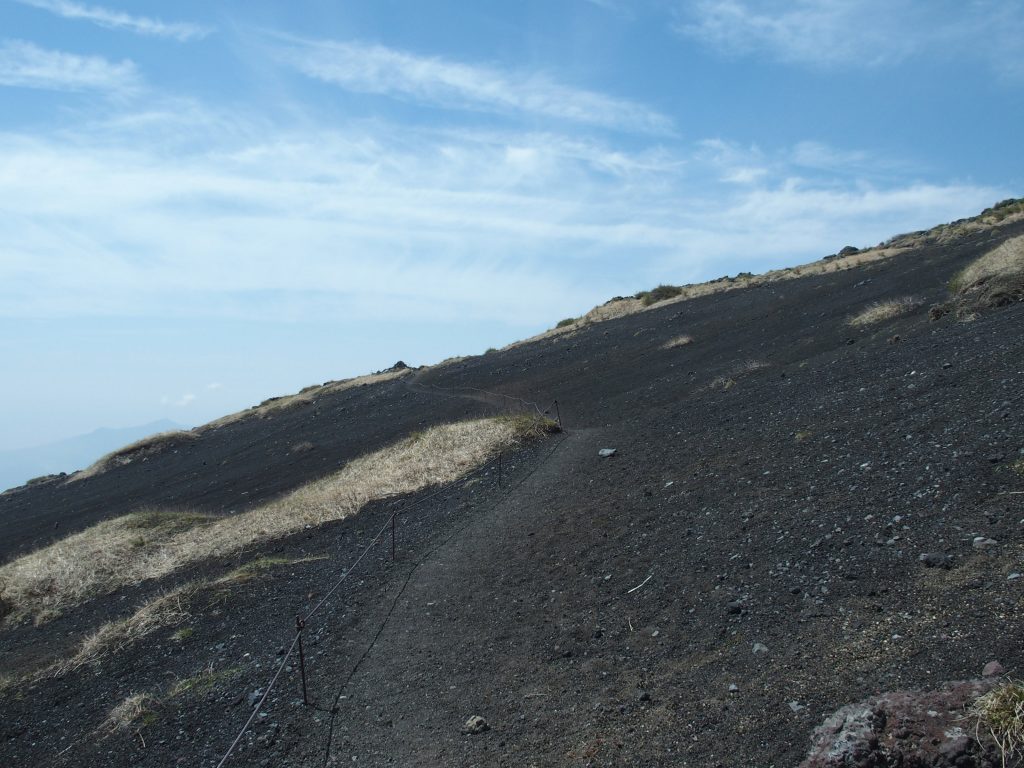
{"x":746,"y":563}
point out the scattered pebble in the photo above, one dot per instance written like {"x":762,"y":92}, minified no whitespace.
{"x":992,"y":669}
{"x":475,"y":725}
{"x":606,"y":453}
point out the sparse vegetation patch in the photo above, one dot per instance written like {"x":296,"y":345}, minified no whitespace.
{"x":304,"y":397}
{"x":885,"y":310}
{"x":1000,"y":713}
{"x":138,"y":709}
{"x":202,"y":682}
{"x":997,"y":278}
{"x":164,"y":611}
{"x":260,"y":566}
{"x":132,"y":549}
{"x":660,"y":293}
{"x":678,"y":341}
{"x":137,"y":451}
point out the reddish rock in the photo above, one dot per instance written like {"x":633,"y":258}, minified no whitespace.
{"x":910,"y":729}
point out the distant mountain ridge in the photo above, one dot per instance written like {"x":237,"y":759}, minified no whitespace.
{"x":21,"y":465}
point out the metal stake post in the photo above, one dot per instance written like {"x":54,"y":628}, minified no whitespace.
{"x":558,"y":414}
{"x":499,"y":468}
{"x":393,"y":536}
{"x":299,"y":626}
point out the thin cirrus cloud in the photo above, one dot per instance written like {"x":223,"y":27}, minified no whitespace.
{"x":377,"y":69}
{"x":111,"y":19}
{"x":26,"y":65}
{"x":432,"y":225}
{"x":822,"y":32}
{"x":849,"y":34}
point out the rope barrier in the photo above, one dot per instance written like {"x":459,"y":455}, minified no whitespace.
{"x":302,"y":621}
{"x":259,"y":706}
{"x":394,"y":603}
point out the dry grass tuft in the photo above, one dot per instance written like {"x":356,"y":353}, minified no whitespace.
{"x":996,"y":279}
{"x":528,"y":426}
{"x":202,"y":682}
{"x":1007,"y":259}
{"x":137,"y":709}
{"x":1000,"y":712}
{"x":304,"y":397}
{"x":884,"y":310}
{"x":70,"y":571}
{"x":258,"y":567}
{"x":727,"y":381}
{"x":130,"y":550}
{"x":164,"y":611}
{"x":678,"y":341}
{"x":141,"y":449}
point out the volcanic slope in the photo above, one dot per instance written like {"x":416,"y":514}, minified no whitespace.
{"x":746,"y":562}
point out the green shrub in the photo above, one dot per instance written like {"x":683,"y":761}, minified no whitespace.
{"x":567,"y":322}
{"x":661,"y":293}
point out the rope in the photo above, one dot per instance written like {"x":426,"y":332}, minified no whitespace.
{"x":333,"y":589}
{"x":323,"y":600}
{"x":405,"y":584}
{"x":259,"y":706}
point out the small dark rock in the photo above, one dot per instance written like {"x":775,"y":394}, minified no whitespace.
{"x":936,"y":560}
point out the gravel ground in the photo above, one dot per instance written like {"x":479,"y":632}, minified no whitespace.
{"x":746,"y":563}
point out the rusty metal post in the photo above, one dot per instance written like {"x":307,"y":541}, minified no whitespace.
{"x":299,"y":626}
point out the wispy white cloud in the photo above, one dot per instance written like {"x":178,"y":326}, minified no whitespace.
{"x":25,"y":65}
{"x":179,"y":402}
{"x":378,"y":222}
{"x":376,"y":69}
{"x":860,"y":33}
{"x":111,"y":19}
{"x":823,"y":32}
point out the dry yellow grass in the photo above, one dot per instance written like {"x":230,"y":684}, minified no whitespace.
{"x":1000,"y":712}
{"x":164,"y":611}
{"x":155,"y":444}
{"x":728,"y":381}
{"x":901,"y":244}
{"x":148,"y":446}
{"x":133,"y":549}
{"x":678,"y":341}
{"x":306,"y":396}
{"x":1004,"y":261}
{"x":884,"y":310}
{"x":134,"y":709}
{"x":201,"y":682}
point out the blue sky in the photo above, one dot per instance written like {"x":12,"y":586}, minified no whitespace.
{"x":206,"y":204}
